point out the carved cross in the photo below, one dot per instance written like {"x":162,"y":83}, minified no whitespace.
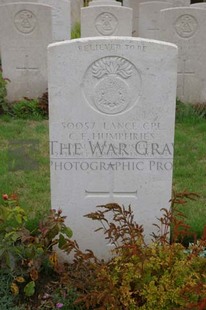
{"x":110,"y":194}
{"x":184,"y":74}
{"x":26,"y":69}
{"x":26,"y":66}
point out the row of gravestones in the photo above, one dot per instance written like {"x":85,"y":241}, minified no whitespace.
{"x":102,"y":17}
{"x":26,"y":29}
{"x":186,"y":28}
{"x":112,"y":116}
{"x":108,"y":17}
{"x":172,"y":21}
{"x":76,"y":6}
{"x":28,"y":40}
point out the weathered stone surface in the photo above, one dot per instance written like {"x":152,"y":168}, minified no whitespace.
{"x":186,"y":28}
{"x":76,"y":6}
{"x":149,"y":18}
{"x":200,"y":5}
{"x":61,"y":19}
{"x":179,"y":3}
{"x":25,"y":34}
{"x":112,"y":114}
{"x":104,"y":2}
{"x":61,"y":16}
{"x":134,"y":4}
{"x":106,"y":19}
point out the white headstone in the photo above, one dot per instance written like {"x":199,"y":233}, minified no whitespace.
{"x":201,"y":5}
{"x":25,"y":34}
{"x":112,"y":115}
{"x":179,"y":3}
{"x":149,"y":18}
{"x":61,"y":16}
{"x":76,"y":6}
{"x":106,"y":20}
{"x":186,"y":28}
{"x":104,"y":2}
{"x":134,"y":4}
{"x":61,"y":19}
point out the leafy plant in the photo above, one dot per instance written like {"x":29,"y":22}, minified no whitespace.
{"x":161,"y":275}
{"x":27,"y":254}
{"x":3,"y":102}
{"x":12,"y":219}
{"x":189,"y":113}
{"x":7,"y":300}
{"x":200,"y":109}
{"x":27,"y":109}
{"x":66,"y":298}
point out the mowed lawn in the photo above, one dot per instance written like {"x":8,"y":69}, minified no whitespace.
{"x":33,"y":186}
{"x":190,"y":169}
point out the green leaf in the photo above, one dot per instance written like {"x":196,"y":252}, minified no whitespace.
{"x":62,"y":241}
{"x":19,"y":218}
{"x":53,"y":232}
{"x":39,"y":251}
{"x":10,"y":259}
{"x":29,"y":289}
{"x":12,"y":236}
{"x":67,"y":231}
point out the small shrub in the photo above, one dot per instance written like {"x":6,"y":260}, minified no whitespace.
{"x":200,"y":109}
{"x":44,"y":105}
{"x":189,"y":113}
{"x":29,"y":255}
{"x":67,"y":298}
{"x":160,"y":276}
{"x":27,"y":109}
{"x":3,"y":102}
{"x":6,"y":298}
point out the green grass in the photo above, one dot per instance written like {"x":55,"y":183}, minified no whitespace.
{"x":76,"y":31}
{"x":190,"y":167}
{"x":33,"y":187}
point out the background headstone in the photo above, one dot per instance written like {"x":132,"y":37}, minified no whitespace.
{"x":76,"y":6}
{"x":61,"y":19}
{"x":112,"y":115}
{"x":134,"y":4}
{"x":149,"y":18}
{"x":25,"y":33}
{"x":104,"y":2}
{"x":105,"y":19}
{"x":179,"y":3}
{"x":61,"y":16}
{"x":186,"y":28}
{"x":201,"y":5}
